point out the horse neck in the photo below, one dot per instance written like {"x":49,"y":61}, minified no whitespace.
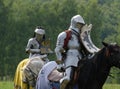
{"x":102,"y":65}
{"x":101,"y":59}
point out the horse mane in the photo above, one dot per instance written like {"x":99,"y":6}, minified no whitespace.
{"x":98,"y":56}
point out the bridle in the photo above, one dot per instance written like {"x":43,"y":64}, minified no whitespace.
{"x":32,"y":74}
{"x":107,"y":54}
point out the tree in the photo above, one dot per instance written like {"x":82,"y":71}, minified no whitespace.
{"x":20,"y":17}
{"x":111,"y":28}
{"x":3,"y":22}
{"x":92,"y":14}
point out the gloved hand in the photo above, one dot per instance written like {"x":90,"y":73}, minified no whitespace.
{"x":61,"y":68}
{"x":43,"y":50}
{"x":86,"y":28}
{"x":49,"y":50}
{"x":59,"y":62}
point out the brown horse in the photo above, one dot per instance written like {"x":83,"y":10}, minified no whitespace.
{"x":94,"y":72}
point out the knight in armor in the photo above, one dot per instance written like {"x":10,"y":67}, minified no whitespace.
{"x":35,"y":46}
{"x":73,"y":49}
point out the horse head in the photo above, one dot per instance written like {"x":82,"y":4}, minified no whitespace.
{"x":113,"y":54}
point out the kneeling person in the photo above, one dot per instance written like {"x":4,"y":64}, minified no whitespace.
{"x":47,"y":75}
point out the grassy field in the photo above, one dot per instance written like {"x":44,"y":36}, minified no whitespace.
{"x":6,"y":85}
{"x":111,"y":86}
{"x":9,"y":85}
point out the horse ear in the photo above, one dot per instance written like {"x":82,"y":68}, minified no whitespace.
{"x":105,"y":44}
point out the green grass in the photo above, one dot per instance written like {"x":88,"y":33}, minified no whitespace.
{"x":9,"y":85}
{"x":6,"y":85}
{"x":111,"y":86}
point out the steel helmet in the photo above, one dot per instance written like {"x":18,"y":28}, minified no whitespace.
{"x":39,"y":31}
{"x":77,"y":19}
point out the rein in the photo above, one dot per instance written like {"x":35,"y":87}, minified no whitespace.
{"x":33,"y":74}
{"x":107,"y":53}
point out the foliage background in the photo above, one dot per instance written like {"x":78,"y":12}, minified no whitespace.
{"x":18,"y":19}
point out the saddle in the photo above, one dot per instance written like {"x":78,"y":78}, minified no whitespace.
{"x":76,"y":71}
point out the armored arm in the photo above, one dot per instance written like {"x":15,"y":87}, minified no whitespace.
{"x":59,"y":45}
{"x":30,"y":48}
